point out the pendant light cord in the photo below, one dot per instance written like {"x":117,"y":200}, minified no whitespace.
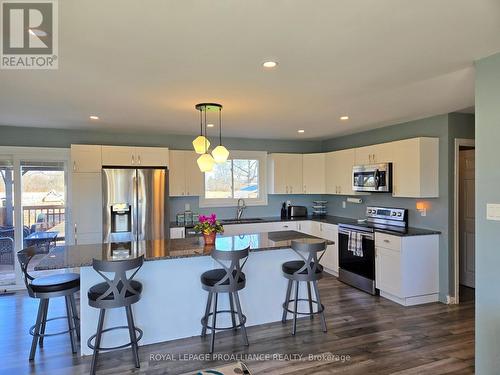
{"x":220,"y":127}
{"x":206,"y":131}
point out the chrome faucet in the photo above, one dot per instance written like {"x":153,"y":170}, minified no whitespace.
{"x":239,"y":210}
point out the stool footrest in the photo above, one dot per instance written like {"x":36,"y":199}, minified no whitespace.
{"x":321,"y":307}
{"x":204,"y":321}
{"x":32,"y":328}
{"x":92,"y":346}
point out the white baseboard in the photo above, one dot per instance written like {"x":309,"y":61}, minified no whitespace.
{"x":411,"y":301}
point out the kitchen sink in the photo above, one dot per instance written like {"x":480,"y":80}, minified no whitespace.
{"x":242,"y":221}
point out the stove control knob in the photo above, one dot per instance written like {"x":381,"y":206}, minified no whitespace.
{"x":394,"y":214}
{"x":399,"y":214}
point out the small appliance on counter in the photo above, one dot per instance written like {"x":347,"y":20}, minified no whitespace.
{"x":319,"y":208}
{"x":284,"y":211}
{"x":297,"y":211}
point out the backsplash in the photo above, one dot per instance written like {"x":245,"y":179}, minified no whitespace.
{"x":432,"y":220}
{"x":272,"y":209}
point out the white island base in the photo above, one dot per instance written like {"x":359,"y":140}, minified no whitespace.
{"x":173,"y":301}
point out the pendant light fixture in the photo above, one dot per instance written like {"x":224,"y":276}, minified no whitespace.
{"x":201,"y":144}
{"x":220,"y":153}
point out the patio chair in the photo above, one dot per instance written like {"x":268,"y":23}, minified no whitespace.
{"x":6,"y":250}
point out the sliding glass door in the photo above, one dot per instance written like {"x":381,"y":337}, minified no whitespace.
{"x":33,"y":199}
{"x":7,"y":236}
{"x":43,"y":197}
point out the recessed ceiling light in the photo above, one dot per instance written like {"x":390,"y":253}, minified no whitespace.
{"x":301,"y":131}
{"x":94,"y":117}
{"x":343,"y":118}
{"x":210,"y":125}
{"x":270,"y":64}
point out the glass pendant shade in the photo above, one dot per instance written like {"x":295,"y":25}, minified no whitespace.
{"x":205,"y":162}
{"x":201,"y":144}
{"x":220,"y":154}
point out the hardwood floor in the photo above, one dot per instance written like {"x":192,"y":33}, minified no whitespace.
{"x":379,"y":336}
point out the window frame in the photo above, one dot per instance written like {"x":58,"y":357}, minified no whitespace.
{"x":261,"y":156}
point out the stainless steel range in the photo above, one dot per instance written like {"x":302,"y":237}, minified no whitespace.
{"x":357,"y":245}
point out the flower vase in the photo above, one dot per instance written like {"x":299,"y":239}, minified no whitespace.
{"x":209,"y":238}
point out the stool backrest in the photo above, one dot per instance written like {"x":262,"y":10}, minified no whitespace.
{"x":119,"y":283}
{"x":234,"y":269}
{"x":311,"y":249}
{"x":24,"y":256}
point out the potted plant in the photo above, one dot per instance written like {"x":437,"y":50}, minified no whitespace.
{"x":209,"y":226}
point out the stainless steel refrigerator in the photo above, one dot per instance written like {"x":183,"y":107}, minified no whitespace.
{"x":135,"y":204}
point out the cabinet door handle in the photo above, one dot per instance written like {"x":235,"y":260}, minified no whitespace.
{"x":387,"y":241}
{"x":139,"y":159}
{"x":285,"y":226}
{"x":76,"y":239}
{"x":291,"y":189}
{"x":74,"y":166}
{"x":304,"y":188}
{"x":133,"y":160}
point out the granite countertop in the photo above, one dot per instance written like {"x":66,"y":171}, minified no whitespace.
{"x":71,"y":256}
{"x":329,"y":219}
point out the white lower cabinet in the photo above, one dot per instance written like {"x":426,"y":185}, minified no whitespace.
{"x":329,"y":232}
{"x":407,"y":268}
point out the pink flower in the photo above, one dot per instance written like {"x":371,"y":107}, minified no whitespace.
{"x":202,"y":218}
{"x":212,"y":219}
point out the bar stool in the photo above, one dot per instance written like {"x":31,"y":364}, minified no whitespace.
{"x":117,"y":291}
{"x":306,"y":270}
{"x":228,"y":279}
{"x":47,"y":287}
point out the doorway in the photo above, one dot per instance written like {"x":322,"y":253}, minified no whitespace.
{"x":464,"y":220}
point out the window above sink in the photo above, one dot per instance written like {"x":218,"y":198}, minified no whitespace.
{"x":241,"y":176}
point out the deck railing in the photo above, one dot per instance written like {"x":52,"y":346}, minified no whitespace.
{"x":45,"y":216}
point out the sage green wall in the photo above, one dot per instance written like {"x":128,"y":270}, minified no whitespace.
{"x":487,"y":232}
{"x":446,"y":128}
{"x":42,"y":137}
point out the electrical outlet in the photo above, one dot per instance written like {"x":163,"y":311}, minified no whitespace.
{"x":343,"y":204}
{"x":493,"y":211}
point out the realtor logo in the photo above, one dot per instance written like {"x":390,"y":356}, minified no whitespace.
{"x":29,"y":37}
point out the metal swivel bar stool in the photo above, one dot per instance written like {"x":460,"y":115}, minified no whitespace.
{"x":228,"y":279}
{"x":306,"y":270}
{"x":47,"y":287}
{"x":117,"y":291}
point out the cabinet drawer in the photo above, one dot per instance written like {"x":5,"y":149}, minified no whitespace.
{"x":387,"y":241}
{"x":278,"y":227}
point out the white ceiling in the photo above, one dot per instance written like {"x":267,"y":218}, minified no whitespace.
{"x":143,"y":65}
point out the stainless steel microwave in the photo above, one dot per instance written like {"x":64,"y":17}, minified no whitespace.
{"x":372,"y":178}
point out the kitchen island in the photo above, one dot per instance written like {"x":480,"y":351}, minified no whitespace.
{"x":173,"y":301}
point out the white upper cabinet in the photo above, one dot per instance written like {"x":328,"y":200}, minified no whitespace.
{"x":338,"y":172}
{"x":134,"y":156}
{"x":86,"y":158}
{"x":416,"y":168}
{"x":118,"y":156}
{"x":185,"y":177}
{"x":313,"y":173}
{"x":152,"y":156}
{"x":285,"y":174}
{"x":381,"y":153}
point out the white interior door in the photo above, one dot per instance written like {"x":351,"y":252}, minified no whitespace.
{"x":467,"y":232}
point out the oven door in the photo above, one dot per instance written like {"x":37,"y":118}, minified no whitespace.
{"x":359,"y":265}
